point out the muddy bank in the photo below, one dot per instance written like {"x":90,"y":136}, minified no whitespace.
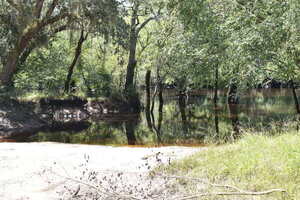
{"x":28,"y":118}
{"x":18,"y":118}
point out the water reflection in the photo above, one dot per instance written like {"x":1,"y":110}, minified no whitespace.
{"x":176,"y":120}
{"x":130,"y":127}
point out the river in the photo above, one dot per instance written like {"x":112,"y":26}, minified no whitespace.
{"x":187,"y":121}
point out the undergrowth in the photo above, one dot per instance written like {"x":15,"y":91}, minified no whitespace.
{"x":254,"y":163}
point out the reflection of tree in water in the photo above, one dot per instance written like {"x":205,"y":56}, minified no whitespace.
{"x":180,"y":121}
{"x":157,"y":128}
{"x":182,"y":108}
{"x":148,"y":100}
{"x":234,"y":117}
{"x":130,"y":127}
{"x":233,"y":102}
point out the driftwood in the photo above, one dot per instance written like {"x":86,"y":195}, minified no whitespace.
{"x":236,"y":191}
{"x":231,"y":194}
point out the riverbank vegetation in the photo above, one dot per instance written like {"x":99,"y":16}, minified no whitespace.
{"x":254,"y":163}
{"x":100,"y":48}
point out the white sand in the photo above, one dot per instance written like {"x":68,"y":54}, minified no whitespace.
{"x":22,"y":165}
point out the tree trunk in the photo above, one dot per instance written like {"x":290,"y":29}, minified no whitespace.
{"x":130,"y":126}
{"x":159,"y":123}
{"x":234,"y":117}
{"x":160,"y":93}
{"x":9,"y":69}
{"x":216,"y":99}
{"x":160,"y":114}
{"x":148,"y":99}
{"x":153,"y":97}
{"x":232,"y":101}
{"x":76,"y":56}
{"x":182,"y":106}
{"x":129,"y":87}
{"x":160,"y":108}
{"x":296,"y":103}
{"x":232,"y":97}
{"x":148,"y":91}
{"x":295,"y":97}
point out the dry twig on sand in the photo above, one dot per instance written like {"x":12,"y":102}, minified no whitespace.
{"x":236,"y":191}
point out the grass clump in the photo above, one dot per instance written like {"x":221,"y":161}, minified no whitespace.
{"x":255,"y":163}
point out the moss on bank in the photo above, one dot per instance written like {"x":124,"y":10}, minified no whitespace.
{"x":254,"y":163}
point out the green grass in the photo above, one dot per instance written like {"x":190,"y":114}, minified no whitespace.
{"x":254,"y":163}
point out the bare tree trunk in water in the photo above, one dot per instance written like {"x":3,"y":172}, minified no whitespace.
{"x":182,"y":107}
{"x":76,"y":56}
{"x":216,"y":99}
{"x":148,"y":91}
{"x":232,"y":97}
{"x":148,"y":99}
{"x":159,"y":123}
{"x":296,"y":102}
{"x":160,"y":96}
{"x":295,"y":97}
{"x":160,"y":107}
{"x":157,"y":128}
{"x":232,"y":101}
{"x":153,"y":98}
{"x":130,"y":129}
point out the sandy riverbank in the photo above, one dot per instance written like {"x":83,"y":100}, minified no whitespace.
{"x":23,"y":166}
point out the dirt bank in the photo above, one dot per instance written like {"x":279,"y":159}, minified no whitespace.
{"x":25,"y":166}
{"x":17,"y":118}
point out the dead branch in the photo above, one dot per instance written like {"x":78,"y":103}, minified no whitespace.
{"x":202,"y":181}
{"x":237,"y":190}
{"x":231,"y":193}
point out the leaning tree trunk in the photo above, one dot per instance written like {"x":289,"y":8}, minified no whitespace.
{"x":73,"y":64}
{"x":9,"y":69}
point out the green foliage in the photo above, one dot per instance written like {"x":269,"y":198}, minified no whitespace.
{"x":46,"y":68}
{"x":255,"y":163}
{"x":246,"y":41}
